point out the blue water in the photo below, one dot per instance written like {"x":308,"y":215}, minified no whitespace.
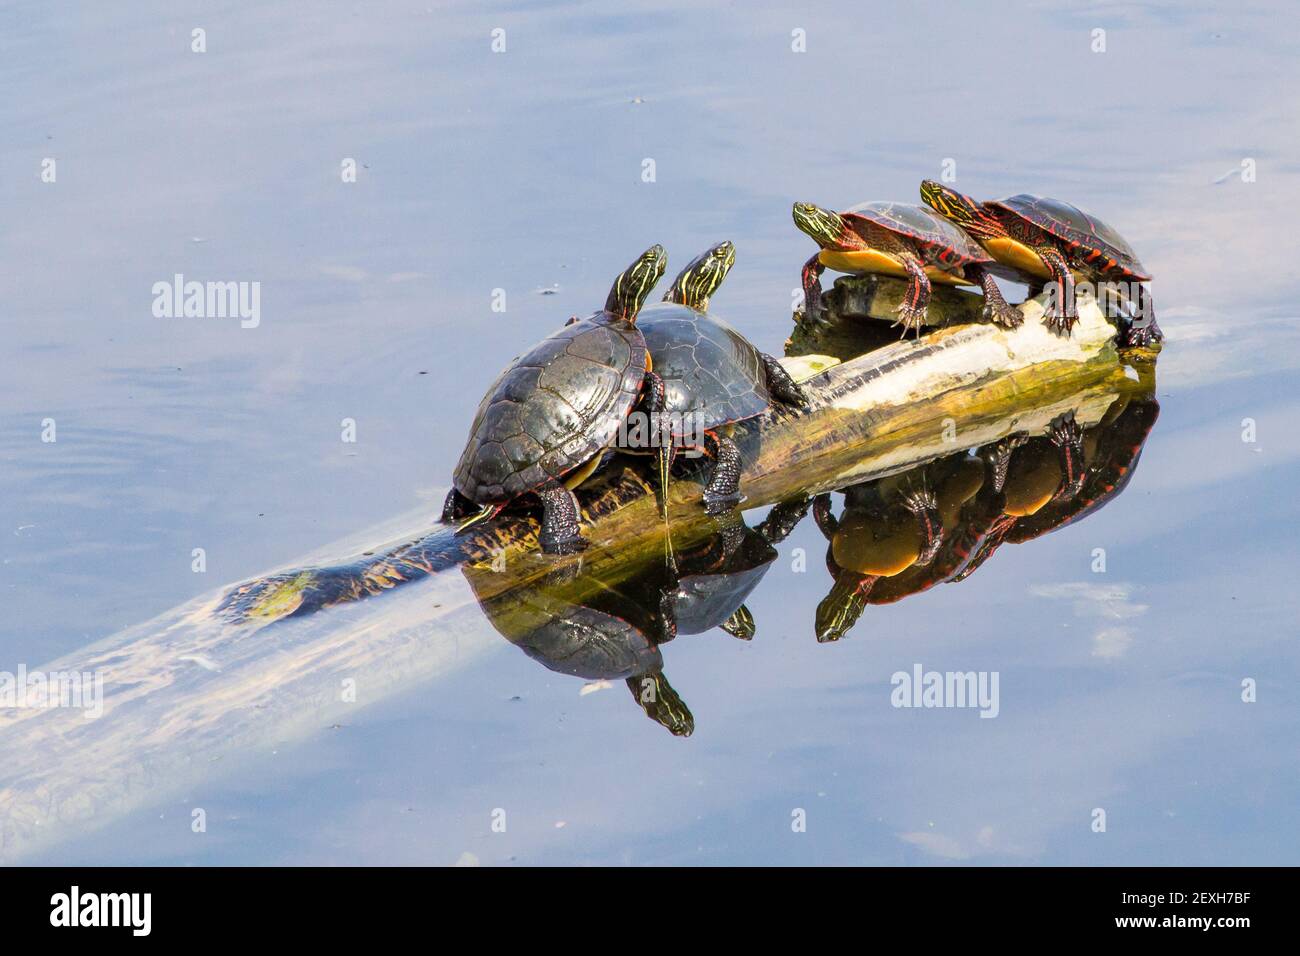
{"x":523,"y":170}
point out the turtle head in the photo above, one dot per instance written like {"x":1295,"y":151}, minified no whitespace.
{"x":958,"y":209}
{"x":662,"y":704}
{"x":826,"y":228}
{"x":842,"y":607}
{"x":634,"y":283}
{"x":702,"y":276}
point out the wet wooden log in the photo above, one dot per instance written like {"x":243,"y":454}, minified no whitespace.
{"x":897,"y":406}
{"x":261,"y":664}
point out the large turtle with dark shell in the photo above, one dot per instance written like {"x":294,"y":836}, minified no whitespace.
{"x":903,"y":240}
{"x":712,"y":376}
{"x":547,"y":420}
{"x":1050,"y":241}
{"x":596,"y":630}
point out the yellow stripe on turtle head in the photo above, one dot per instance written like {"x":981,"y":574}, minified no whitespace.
{"x":824,"y":227}
{"x":695,"y":284}
{"x":634,"y":283}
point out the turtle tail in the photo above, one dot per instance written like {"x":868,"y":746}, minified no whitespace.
{"x":665,"y":461}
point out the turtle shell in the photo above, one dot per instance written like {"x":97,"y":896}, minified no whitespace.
{"x":951,"y":245}
{"x":708,"y":595}
{"x":553,"y":409}
{"x":590,"y":643}
{"x":1073,"y":225}
{"x":708,"y":368}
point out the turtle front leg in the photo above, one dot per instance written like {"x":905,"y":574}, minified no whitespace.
{"x":811,"y":280}
{"x":783,"y":518}
{"x":1062,"y":310}
{"x":1142,"y":330}
{"x":916,"y":301}
{"x":783,"y":388}
{"x":723,"y":490}
{"x":560,"y":534}
{"x":996,"y":308}
{"x":826,"y":521}
{"x":1065,"y":434}
{"x":923,"y":506}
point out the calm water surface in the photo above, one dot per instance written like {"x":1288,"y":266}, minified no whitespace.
{"x":523,"y":170}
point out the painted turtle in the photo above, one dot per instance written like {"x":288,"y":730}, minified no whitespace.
{"x":1050,"y":241}
{"x":899,"y":239}
{"x":548,"y":418}
{"x":597,"y":631}
{"x":712,"y":377}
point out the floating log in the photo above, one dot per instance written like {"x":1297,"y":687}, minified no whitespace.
{"x":253,"y":665}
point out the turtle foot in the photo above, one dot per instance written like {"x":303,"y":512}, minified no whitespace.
{"x":1066,"y":435}
{"x":999,"y":459}
{"x":815,"y":317}
{"x":783,"y":388}
{"x":1137,"y":337}
{"x":1064,"y":431}
{"x":911,"y":319}
{"x":1060,"y":322}
{"x":783,"y":517}
{"x":1004,"y":315}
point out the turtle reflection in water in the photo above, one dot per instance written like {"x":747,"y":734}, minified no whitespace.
{"x":612,"y":628}
{"x":893,"y":540}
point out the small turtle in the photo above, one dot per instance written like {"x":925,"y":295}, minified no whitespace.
{"x":1050,"y":241}
{"x":546,"y":421}
{"x":597,"y":631}
{"x":899,"y":239}
{"x":712,"y":377}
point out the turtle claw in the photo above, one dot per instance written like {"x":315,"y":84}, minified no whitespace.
{"x":815,"y":315}
{"x":1005,"y":315}
{"x":1061,"y":322}
{"x":910,"y":319}
{"x":1138,"y":337}
{"x":998,"y":459}
{"x":1063,"y":430}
